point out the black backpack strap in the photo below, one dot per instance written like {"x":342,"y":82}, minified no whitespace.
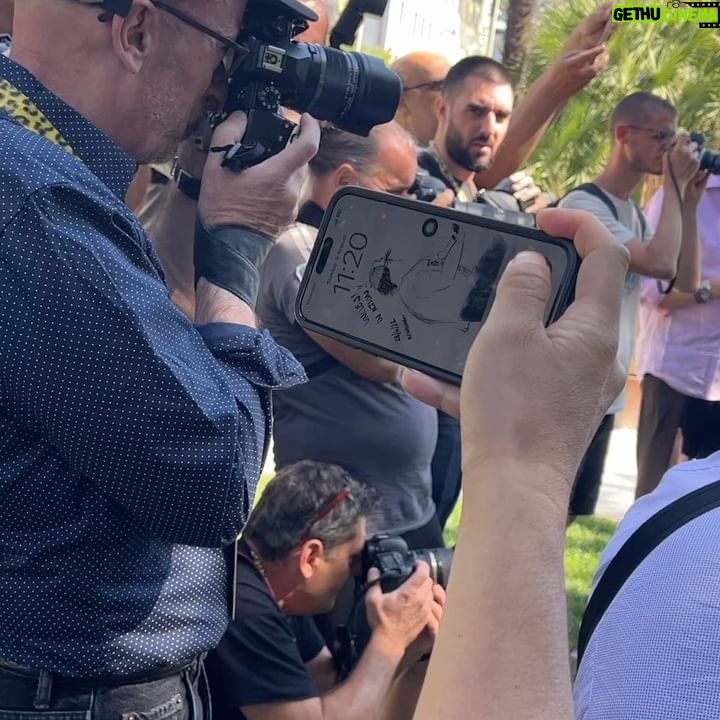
{"x":637,"y":547}
{"x":641,"y":218}
{"x":595,"y":191}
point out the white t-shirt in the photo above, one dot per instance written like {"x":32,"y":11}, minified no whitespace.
{"x":656,"y":651}
{"x":627,"y":227}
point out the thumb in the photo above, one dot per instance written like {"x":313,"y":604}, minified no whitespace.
{"x":229,"y":132}
{"x":523,"y":292}
{"x":374,"y":589}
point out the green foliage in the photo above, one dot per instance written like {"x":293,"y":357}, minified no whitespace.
{"x":678,"y":61}
{"x":586,"y":539}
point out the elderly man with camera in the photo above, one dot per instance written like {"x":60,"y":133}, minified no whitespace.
{"x":131,"y":438}
{"x":301,"y":542}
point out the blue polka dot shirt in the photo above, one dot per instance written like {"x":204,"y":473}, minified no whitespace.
{"x":131,"y":441}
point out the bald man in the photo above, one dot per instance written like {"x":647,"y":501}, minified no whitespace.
{"x":422,"y":75}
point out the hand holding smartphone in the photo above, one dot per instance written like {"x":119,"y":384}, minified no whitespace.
{"x":413,"y":282}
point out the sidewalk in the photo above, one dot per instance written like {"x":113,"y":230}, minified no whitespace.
{"x":618,"y":487}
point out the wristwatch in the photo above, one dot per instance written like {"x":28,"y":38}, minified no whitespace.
{"x":186,"y":183}
{"x":704,"y":293}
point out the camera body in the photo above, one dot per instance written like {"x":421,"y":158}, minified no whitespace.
{"x":352,"y":90}
{"x":709,"y":160}
{"x":427,"y":188}
{"x":395,"y":562}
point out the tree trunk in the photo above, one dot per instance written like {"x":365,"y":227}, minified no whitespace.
{"x":517,"y":39}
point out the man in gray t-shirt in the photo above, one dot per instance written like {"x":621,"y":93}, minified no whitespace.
{"x":644,"y":140}
{"x":353,"y":412}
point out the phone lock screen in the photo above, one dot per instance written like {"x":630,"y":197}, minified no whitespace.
{"x":393,"y":278}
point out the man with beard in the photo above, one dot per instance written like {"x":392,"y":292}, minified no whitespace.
{"x":644,"y":140}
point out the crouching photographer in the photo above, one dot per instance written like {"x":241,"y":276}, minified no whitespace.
{"x":304,"y":538}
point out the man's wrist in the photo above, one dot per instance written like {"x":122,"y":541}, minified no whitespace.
{"x":230,"y":257}
{"x":510,"y":481}
{"x":385,"y":643}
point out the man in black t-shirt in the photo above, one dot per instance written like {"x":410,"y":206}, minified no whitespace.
{"x":301,"y":543}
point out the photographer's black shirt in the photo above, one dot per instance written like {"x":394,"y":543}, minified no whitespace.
{"x":261,"y":658}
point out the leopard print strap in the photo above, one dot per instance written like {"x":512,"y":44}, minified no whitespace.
{"x":27,"y":113}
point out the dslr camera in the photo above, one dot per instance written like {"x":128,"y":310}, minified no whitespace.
{"x":709,"y":160}
{"x":353,"y":91}
{"x":395,"y":562}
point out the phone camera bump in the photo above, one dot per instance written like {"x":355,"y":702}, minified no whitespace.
{"x":430,"y":227}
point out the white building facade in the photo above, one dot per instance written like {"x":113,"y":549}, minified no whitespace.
{"x":452,"y":28}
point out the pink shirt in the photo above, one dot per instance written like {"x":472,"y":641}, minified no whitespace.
{"x":682,"y":346}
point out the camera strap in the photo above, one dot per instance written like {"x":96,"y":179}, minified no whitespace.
{"x":20,"y":107}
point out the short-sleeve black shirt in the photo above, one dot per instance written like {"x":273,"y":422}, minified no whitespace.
{"x":261,"y":658}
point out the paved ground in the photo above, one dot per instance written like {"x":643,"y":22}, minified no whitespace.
{"x":618,"y":489}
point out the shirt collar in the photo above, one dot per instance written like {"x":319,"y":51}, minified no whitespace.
{"x":112,"y":165}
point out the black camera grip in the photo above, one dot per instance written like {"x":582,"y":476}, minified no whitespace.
{"x":230,"y":257}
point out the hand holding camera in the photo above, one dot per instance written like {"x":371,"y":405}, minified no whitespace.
{"x":263,"y":197}
{"x":399,"y":617}
{"x":681,"y":162}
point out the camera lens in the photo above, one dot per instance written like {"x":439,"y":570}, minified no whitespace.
{"x":710,"y":161}
{"x":352,"y":90}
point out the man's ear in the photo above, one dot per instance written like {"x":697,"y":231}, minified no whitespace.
{"x":312,"y":553}
{"x":345,"y":175}
{"x":133,"y":35}
{"x":441,"y":108}
{"x":620,"y":134}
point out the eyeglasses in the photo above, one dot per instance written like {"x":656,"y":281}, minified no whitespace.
{"x":323,"y":512}
{"x":661,"y":136}
{"x":434,"y":85}
{"x":235,"y":53}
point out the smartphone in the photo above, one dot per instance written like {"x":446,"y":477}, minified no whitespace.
{"x":414,"y":282}
{"x":607,"y":30}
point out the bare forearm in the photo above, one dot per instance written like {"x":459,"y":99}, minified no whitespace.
{"x":688,"y":273}
{"x":659,"y":258}
{"x":362,"y":695}
{"x":216,"y":305}
{"x":505,"y":608}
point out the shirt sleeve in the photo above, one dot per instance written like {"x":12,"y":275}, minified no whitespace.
{"x":584,"y":201}
{"x":258,"y":660}
{"x":309,"y":640}
{"x":99,"y":363}
{"x":282,"y":274}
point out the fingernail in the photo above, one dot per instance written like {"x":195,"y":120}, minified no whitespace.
{"x":529,"y":258}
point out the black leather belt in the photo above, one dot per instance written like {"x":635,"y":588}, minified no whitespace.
{"x":88,"y":683}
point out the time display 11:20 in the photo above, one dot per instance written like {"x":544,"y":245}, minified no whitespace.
{"x":351,"y":261}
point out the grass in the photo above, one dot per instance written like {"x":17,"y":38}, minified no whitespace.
{"x":586,"y":539}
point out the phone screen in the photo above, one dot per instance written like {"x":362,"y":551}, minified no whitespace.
{"x":415,"y":283}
